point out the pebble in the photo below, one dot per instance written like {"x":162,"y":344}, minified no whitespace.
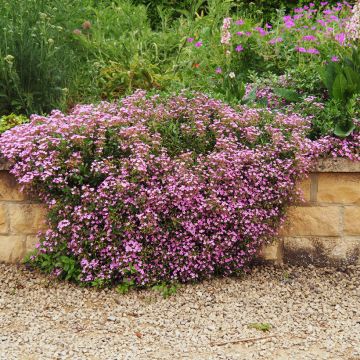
{"x":315,"y":315}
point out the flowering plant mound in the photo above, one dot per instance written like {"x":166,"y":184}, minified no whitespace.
{"x":159,"y":189}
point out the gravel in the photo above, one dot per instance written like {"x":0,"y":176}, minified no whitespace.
{"x":314,"y":314}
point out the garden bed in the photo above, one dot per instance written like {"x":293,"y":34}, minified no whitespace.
{"x":324,"y":230}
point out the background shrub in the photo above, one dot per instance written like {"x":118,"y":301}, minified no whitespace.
{"x":36,"y":62}
{"x":60,"y":53}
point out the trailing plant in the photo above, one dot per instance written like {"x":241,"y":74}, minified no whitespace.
{"x":161,"y":189}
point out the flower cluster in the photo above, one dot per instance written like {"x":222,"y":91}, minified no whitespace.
{"x":309,"y":34}
{"x":225,"y":33}
{"x":161,"y":189}
{"x":353,"y":25}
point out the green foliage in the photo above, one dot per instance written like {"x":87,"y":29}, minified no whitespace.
{"x":55,"y":54}
{"x":36,"y":61}
{"x":173,"y":9}
{"x":342,"y":81}
{"x":127,"y":284}
{"x":9,"y":121}
{"x":166,"y":290}
{"x":115,"y":79}
{"x":287,"y":94}
{"x":177,"y":140}
{"x":66,"y":267}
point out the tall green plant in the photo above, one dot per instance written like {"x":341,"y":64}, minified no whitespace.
{"x":342,"y":81}
{"x":36,"y":63}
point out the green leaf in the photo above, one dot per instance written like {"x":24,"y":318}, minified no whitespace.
{"x":329,"y":74}
{"x":287,"y":94}
{"x":353,"y":80}
{"x":339,"y":87}
{"x":344,"y":129}
{"x":250,"y":97}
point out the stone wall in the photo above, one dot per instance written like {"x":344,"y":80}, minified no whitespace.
{"x":325,"y":230}
{"x":20,"y":219}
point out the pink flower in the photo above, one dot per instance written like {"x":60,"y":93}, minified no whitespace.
{"x":309,"y":38}
{"x":301,"y":49}
{"x":335,"y":59}
{"x":261,"y":31}
{"x":239,"y":48}
{"x":289,"y":24}
{"x":239,"y":22}
{"x":198,"y":44}
{"x":190,"y":40}
{"x":313,"y":51}
{"x":218,"y":70}
{"x":275,"y":40}
{"x":340,"y":38}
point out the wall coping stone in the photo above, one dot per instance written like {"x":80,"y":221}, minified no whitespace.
{"x":336,"y":165}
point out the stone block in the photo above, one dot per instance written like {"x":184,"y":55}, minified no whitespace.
{"x":12,"y":248}
{"x":352,"y":220}
{"x":26,"y":218}
{"x":9,"y":189}
{"x":339,"y":188}
{"x":31,"y":241}
{"x":305,"y":187}
{"x":272,"y":252}
{"x":337,"y":165}
{"x":322,"y":251}
{"x":313,"y":221}
{"x":4,"y":223}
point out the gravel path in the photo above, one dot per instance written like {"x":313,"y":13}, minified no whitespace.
{"x":314,"y":314}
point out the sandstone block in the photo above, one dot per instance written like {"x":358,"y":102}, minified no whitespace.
{"x":352,"y":220}
{"x":27,"y":218}
{"x":12,"y":248}
{"x":322,"y":251}
{"x":4,"y":224}
{"x":9,"y":189}
{"x":305,"y":186}
{"x":313,"y":221}
{"x":337,"y":165}
{"x":31,"y":241}
{"x":272,"y":252}
{"x":339,"y":188}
